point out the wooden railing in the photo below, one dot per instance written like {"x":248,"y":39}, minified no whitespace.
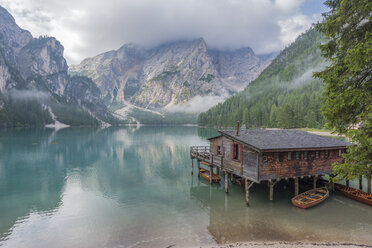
{"x":200,"y":151}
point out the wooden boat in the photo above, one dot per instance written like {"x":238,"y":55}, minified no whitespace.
{"x":239,"y":180}
{"x":206,"y":174}
{"x":354,"y":194}
{"x":310,"y":198}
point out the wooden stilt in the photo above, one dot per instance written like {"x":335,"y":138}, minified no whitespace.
{"x":331,"y":181}
{"x":226,"y":182}
{"x":198,"y":168}
{"x":226,"y":204}
{"x":271,"y":190}
{"x":210,"y":174}
{"x":271,"y":186}
{"x":246,"y":193}
{"x":296,"y":185}
{"x":192,"y":166}
{"x":248,"y":184}
{"x":314,"y":181}
{"x":361,"y":182}
{"x":347,"y":183}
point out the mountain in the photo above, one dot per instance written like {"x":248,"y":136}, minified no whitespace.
{"x":284,"y":95}
{"x":35,"y":88}
{"x":170,"y":75}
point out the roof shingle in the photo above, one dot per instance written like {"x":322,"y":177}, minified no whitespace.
{"x":270,"y":139}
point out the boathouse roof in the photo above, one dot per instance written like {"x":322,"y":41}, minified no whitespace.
{"x":283,"y":139}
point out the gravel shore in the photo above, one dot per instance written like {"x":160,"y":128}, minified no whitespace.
{"x":288,"y":245}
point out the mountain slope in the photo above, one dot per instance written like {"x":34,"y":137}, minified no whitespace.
{"x":170,"y":74}
{"x":284,"y":95}
{"x":35,"y":88}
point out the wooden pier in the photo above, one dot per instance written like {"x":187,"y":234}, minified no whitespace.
{"x":268,"y":156}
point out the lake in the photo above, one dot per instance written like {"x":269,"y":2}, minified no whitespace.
{"x":132,"y":187}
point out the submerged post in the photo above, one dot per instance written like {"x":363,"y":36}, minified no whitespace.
{"x":314,"y":181}
{"x":226,"y":182}
{"x":296,"y":185}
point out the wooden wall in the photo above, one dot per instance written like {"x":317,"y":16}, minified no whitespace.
{"x":272,"y":169}
{"x":247,"y":167}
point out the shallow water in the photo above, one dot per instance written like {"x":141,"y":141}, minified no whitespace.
{"x":129,"y":187}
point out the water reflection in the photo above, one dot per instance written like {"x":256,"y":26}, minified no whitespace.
{"x":338,"y":220}
{"x":131,"y":187}
{"x":96,"y":186}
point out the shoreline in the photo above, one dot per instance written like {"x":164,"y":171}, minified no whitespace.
{"x":286,"y":245}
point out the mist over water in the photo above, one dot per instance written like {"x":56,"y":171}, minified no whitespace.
{"x":131,"y":187}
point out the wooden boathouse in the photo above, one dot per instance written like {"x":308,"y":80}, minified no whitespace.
{"x":269,"y":155}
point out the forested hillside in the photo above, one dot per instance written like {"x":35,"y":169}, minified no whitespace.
{"x":284,"y":95}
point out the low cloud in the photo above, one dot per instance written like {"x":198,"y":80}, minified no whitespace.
{"x":28,"y":95}
{"x":89,"y":27}
{"x":306,"y":77}
{"x":197,"y":104}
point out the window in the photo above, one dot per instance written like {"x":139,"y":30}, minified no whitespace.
{"x":340,"y":153}
{"x":289,"y":156}
{"x":326,"y":154}
{"x":281,"y":157}
{"x":276,"y":156}
{"x":218,"y":150}
{"x":264,"y":157}
{"x":305,"y":155}
{"x":297,"y":155}
{"x":236,"y":152}
{"x":317,"y":154}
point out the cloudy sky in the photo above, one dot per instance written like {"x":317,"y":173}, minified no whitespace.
{"x":89,"y":27}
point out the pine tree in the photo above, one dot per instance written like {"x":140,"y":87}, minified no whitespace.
{"x":348,"y":94}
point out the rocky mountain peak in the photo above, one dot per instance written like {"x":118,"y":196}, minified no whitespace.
{"x":171,"y":73}
{"x":36,"y":66}
{"x":46,"y":56}
{"x":11,"y":35}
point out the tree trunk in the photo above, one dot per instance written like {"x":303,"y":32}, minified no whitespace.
{"x":369,"y":184}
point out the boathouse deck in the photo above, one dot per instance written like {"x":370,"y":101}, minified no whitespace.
{"x":269,"y":156}
{"x":203,"y":155}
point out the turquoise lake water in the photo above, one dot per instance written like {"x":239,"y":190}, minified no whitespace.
{"x":132,"y":187}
